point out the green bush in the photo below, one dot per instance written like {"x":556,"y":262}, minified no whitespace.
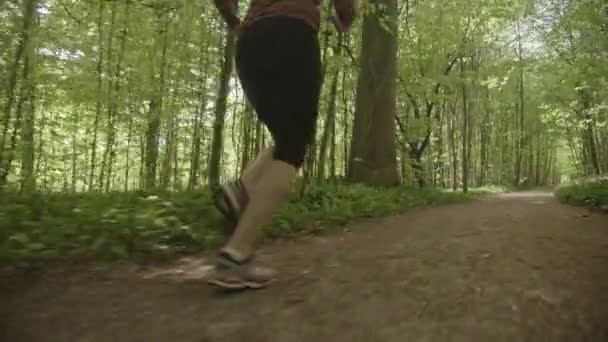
{"x":135,"y":224}
{"x":591,"y":192}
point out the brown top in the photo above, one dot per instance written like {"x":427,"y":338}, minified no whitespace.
{"x":307,"y":10}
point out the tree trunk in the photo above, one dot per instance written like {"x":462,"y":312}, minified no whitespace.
{"x":331,"y":116}
{"x":114,"y":91}
{"x":373,"y":157}
{"x":346,"y":125}
{"x":29,"y":13}
{"x":520,"y":128}
{"x":452,"y":147}
{"x":142,"y":162}
{"x":24,"y":48}
{"x":259,"y":129}
{"x":589,"y":137}
{"x":25,"y":93}
{"x":199,"y":118}
{"x":74,"y":176}
{"x":465,"y":133}
{"x":165,"y":172}
{"x":220,"y":112}
{"x":247,"y":128}
{"x":111,"y":80}
{"x":438,"y":176}
{"x":98,"y":105}
{"x":156,"y":109}
{"x":128,"y":156}
{"x":28,"y":182}
{"x":484,"y":137}
{"x":310,"y":162}
{"x":415,"y":157}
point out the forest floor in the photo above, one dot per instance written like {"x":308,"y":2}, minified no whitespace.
{"x":513,"y":267}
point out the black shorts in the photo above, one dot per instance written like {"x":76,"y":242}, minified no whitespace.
{"x":278,"y":62}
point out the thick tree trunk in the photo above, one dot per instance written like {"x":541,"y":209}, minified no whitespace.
{"x":373,"y":157}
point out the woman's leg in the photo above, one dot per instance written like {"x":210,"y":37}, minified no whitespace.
{"x":283,"y":86}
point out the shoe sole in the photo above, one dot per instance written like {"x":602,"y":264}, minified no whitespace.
{"x":238,"y":286}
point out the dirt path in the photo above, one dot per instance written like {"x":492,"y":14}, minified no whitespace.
{"x":517,"y":267}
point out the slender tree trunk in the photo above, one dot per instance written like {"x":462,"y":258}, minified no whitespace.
{"x":331,"y":116}
{"x":165,"y":172}
{"x":345,"y":122}
{"x":235,"y":140}
{"x":538,"y":162}
{"x":195,"y":166}
{"x":465,"y":134}
{"x":247,"y":128}
{"x":112,"y":114}
{"x":128,"y":156}
{"x":589,"y":136}
{"x":24,"y":48}
{"x":111,"y":80}
{"x":484,"y":137}
{"x":142,"y":162}
{"x":25,"y":93}
{"x":259,"y":129}
{"x":438,"y":177}
{"x":74,"y":176}
{"x":520,"y":128}
{"x":28,"y":182}
{"x":217,"y":145}
{"x":452,"y":146}
{"x":156,"y":109}
{"x":39,"y":148}
{"x":415,"y":157}
{"x":98,"y":105}
{"x":332,"y":151}
{"x":29,"y":14}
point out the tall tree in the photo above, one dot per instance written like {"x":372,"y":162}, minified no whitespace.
{"x":220,"y":111}
{"x":156,"y":102}
{"x":373,"y":158}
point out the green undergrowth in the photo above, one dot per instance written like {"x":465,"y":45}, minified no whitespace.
{"x":591,"y":193}
{"x":113,"y":226}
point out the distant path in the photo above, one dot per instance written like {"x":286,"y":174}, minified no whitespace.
{"x":517,"y":267}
